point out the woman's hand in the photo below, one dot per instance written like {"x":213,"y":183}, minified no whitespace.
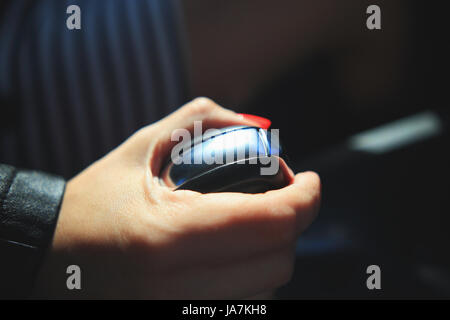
{"x":133,"y":238}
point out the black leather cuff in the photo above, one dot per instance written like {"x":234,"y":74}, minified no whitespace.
{"x":29,"y":208}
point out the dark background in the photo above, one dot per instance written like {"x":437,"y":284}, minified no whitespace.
{"x":389,"y":209}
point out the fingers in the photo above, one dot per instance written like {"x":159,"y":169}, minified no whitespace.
{"x":203,"y":109}
{"x":236,"y":279}
{"x":243,"y":224}
{"x":299,"y":200}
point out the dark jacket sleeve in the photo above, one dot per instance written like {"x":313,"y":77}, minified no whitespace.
{"x":29,"y":207}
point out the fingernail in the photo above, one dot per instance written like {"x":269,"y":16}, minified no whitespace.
{"x":263,"y":123}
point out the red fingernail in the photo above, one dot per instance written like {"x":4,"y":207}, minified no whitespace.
{"x":263,"y":123}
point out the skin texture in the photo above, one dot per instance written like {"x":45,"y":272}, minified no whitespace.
{"x":133,"y":238}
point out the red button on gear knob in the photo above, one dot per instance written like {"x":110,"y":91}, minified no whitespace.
{"x":263,"y":123}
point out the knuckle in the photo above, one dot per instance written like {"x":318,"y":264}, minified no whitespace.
{"x":202,"y":105}
{"x":203,"y":101}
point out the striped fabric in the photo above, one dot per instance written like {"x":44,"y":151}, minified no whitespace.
{"x":70,"y":96}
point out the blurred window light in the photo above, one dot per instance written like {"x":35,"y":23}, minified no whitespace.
{"x":397,"y":134}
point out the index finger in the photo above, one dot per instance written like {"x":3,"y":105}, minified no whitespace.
{"x":296,"y":204}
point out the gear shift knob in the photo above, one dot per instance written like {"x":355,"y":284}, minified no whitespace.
{"x":232,"y":159}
